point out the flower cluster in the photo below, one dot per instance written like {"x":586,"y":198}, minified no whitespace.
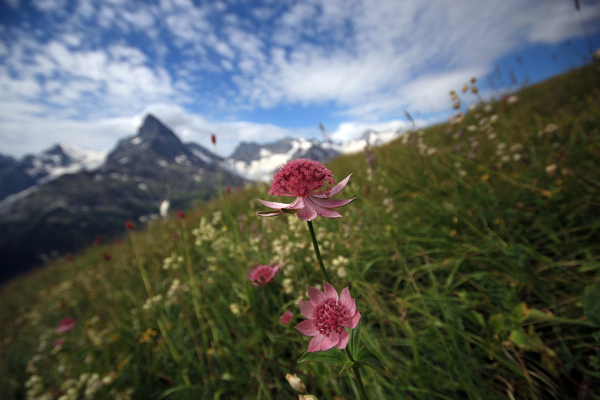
{"x":309,"y":181}
{"x":328,"y":314}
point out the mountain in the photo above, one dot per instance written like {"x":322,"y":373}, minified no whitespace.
{"x":67,"y":212}
{"x":258,"y":162}
{"x":18,"y":175}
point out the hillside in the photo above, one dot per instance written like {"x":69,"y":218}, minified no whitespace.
{"x":472,"y":250}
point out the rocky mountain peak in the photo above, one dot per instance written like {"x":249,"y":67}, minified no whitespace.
{"x":152,"y":128}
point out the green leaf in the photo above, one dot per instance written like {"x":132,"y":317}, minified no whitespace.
{"x":520,"y":313}
{"x":333,"y":356}
{"x":367,"y":359}
{"x":589,"y":266}
{"x":354,"y":342}
{"x":591,"y":303}
{"x":347,"y":366}
{"x":522,"y":340}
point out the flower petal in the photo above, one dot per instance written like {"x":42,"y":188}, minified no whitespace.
{"x":273,"y":204}
{"x":348,"y":302}
{"x":336,"y":189}
{"x":315,"y":343}
{"x":269,"y":214}
{"x":351,"y":323}
{"x":330,"y":291}
{"x":344,"y":338}
{"x":307,"y":309}
{"x":323,"y":212}
{"x":331,"y":203}
{"x":330,"y":341}
{"x":307,"y":214}
{"x":315,"y":295}
{"x":307,"y":327}
{"x":297,"y":204}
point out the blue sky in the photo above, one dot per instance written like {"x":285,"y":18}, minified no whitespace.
{"x":86,"y":72}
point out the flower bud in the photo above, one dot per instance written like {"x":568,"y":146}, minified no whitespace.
{"x":296,"y":383}
{"x":213,"y":139}
{"x":307,"y":397}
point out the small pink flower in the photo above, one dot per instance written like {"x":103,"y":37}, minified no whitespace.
{"x":309,"y":181}
{"x":327,"y":315}
{"x":65,"y":325}
{"x":262,"y":274}
{"x":286,"y":317}
{"x":59,"y":342}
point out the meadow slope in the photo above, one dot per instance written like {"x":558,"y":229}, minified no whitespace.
{"x":472,"y":249}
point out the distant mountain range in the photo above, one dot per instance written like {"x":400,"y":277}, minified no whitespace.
{"x":60,"y":200}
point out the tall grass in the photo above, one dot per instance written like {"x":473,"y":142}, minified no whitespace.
{"x":473,"y":250}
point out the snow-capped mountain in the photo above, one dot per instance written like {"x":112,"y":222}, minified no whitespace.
{"x":259,"y":162}
{"x":33,"y":169}
{"x":73,"y":196}
{"x":63,"y":159}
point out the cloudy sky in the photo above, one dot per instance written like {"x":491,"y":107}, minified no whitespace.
{"x":86,"y":72}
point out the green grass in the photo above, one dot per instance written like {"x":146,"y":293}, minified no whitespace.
{"x":477,"y":278}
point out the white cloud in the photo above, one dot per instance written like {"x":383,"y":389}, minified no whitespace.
{"x":369,"y":58}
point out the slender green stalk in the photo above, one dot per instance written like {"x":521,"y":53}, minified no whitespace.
{"x":361,"y":388}
{"x":316,"y":246}
{"x":218,"y":173}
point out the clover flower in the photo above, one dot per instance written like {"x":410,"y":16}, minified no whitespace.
{"x":308,"y":181}
{"x":328,"y":314}
{"x":286,"y":317}
{"x":262,"y":274}
{"x":65,"y":325}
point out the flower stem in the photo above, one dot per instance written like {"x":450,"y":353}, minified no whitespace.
{"x":361,"y":388}
{"x":316,"y":246}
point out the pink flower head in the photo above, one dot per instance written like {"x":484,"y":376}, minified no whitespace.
{"x":286,"y":317}
{"x":59,"y":342}
{"x":65,"y":325}
{"x":327,"y":315}
{"x":262,"y":274}
{"x":309,"y":181}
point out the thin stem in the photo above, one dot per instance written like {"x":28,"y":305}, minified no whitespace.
{"x":361,"y":388}
{"x":316,"y":246}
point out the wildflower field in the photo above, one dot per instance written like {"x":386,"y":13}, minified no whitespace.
{"x":471,"y":252}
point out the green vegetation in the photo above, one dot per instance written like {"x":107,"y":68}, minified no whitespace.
{"x":473,"y":252}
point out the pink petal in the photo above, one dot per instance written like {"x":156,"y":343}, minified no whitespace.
{"x":330,"y":341}
{"x":273,"y":204}
{"x":297,"y":204}
{"x":268,"y":214}
{"x":307,"y":309}
{"x":351,"y":323}
{"x":338,"y":188}
{"x":315,"y":343}
{"x":307,"y":214}
{"x":307,"y":327}
{"x":331,"y":203}
{"x":330,"y":291}
{"x":348,"y":301}
{"x":324,"y":212}
{"x":344,"y":338}
{"x":315,"y":295}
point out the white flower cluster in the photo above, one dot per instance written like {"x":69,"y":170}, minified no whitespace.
{"x":173,"y":262}
{"x":174,"y":292}
{"x":151,"y":301}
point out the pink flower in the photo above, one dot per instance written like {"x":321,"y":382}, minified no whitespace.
{"x":262,"y":274}
{"x":65,"y":325}
{"x":286,"y":317}
{"x":308,"y":181}
{"x":327,"y":316}
{"x":59,"y":342}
